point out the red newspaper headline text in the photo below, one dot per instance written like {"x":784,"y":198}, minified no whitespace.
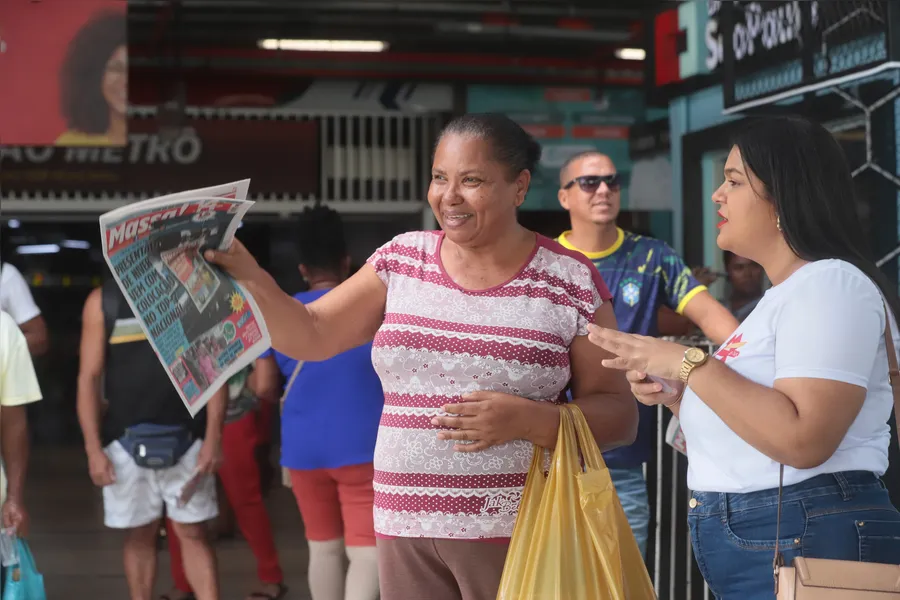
{"x":125,"y":233}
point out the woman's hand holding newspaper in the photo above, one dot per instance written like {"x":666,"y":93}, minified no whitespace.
{"x":237,"y":261}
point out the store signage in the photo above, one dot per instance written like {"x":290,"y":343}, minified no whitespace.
{"x":649,"y":139}
{"x":279,"y":156}
{"x":541,"y":125}
{"x":600,"y":126}
{"x":760,"y":28}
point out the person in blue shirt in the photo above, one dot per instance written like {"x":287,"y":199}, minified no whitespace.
{"x":643,"y":274}
{"x":329,"y":423}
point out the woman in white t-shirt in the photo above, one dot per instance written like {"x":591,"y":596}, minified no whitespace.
{"x":803,"y":382}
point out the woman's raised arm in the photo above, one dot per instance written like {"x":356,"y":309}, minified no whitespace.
{"x":346,"y":317}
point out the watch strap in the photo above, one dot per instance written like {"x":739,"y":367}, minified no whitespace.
{"x":688,"y":366}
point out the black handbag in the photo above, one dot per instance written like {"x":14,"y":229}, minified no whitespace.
{"x":157,"y":446}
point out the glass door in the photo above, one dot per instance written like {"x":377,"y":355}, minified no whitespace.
{"x":713,"y":165}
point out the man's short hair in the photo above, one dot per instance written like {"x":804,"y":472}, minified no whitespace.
{"x":572,"y":159}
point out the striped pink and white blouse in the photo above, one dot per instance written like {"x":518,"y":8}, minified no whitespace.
{"x":440,"y":341}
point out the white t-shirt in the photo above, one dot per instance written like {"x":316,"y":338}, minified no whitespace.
{"x":18,"y":382}
{"x":826,"y":321}
{"x":15,"y":297}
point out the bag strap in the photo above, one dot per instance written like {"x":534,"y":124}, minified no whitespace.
{"x":587,"y":445}
{"x":894,"y":378}
{"x":290,"y":384}
{"x":26,"y":558}
{"x":778,"y":561}
{"x":110,"y":300}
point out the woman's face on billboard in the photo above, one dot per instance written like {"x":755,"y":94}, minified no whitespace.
{"x":115,"y":81}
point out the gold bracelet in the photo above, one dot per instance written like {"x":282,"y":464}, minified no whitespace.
{"x":677,"y":400}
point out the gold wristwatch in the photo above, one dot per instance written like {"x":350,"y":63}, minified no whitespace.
{"x":693,"y":358}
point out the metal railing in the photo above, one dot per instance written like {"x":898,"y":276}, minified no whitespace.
{"x":671,"y":560}
{"x":376,"y":160}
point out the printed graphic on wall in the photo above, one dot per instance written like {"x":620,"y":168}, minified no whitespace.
{"x":565,"y":121}
{"x":154,"y":163}
{"x":66,"y":68}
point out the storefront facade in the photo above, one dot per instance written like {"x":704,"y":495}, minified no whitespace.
{"x":725,"y":83}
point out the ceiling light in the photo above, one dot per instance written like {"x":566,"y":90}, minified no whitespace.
{"x":76,"y":244}
{"x":325,"y":45}
{"x":13,"y":224}
{"x":631,"y":53}
{"x":38,"y":249}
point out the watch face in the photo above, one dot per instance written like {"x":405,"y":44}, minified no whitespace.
{"x":694,"y":355}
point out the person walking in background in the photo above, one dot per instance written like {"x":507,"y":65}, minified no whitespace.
{"x":802,"y":391}
{"x":478,"y":331}
{"x":18,"y":387}
{"x":241,"y":481}
{"x":642,"y":274}
{"x":143,"y":406}
{"x":329,"y":423}
{"x":745,"y":279}
{"x":745,"y":283}
{"x":16,"y":300}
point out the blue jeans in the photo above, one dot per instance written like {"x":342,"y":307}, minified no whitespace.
{"x":842,"y":516}
{"x":632,"y":491}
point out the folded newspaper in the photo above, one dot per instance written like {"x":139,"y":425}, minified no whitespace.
{"x":674,"y":435}
{"x":202,"y":324}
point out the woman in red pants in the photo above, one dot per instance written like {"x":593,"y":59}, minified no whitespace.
{"x":328,"y":428}
{"x":240,"y":478}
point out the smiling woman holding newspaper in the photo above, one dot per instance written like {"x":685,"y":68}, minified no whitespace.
{"x":478,"y":330}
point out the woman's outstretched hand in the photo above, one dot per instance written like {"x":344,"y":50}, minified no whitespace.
{"x":236,"y":261}
{"x":651,"y":392}
{"x":647,"y":355}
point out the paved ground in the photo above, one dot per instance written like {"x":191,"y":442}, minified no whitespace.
{"x":82,"y":560}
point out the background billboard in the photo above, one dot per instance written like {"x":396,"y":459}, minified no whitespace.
{"x":65,"y":71}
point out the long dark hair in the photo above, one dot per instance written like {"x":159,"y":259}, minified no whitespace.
{"x":81,"y":76}
{"x":808,"y":180}
{"x":320,"y":239}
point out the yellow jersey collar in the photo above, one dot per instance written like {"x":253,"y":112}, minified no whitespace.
{"x":620,"y":238}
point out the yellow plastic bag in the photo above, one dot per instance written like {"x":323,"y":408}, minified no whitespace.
{"x":572,"y":540}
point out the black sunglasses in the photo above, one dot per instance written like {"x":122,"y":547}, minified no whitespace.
{"x":590,"y":183}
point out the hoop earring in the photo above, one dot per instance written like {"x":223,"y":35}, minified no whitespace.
{"x":778,"y":223}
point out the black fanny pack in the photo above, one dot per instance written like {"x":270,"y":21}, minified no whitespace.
{"x":157,"y":446}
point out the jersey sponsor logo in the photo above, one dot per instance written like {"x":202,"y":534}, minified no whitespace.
{"x":731,"y":348}
{"x":631,"y":292}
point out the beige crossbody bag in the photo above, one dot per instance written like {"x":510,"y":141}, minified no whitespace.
{"x":822,"y":579}
{"x":285,"y":476}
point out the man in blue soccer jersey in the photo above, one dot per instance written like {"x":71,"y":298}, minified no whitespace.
{"x":642,"y":273}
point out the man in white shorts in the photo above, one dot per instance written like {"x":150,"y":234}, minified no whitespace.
{"x":145,"y":450}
